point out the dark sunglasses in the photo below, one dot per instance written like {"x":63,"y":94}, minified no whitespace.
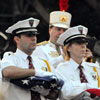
{"x":29,"y":34}
{"x":80,"y":41}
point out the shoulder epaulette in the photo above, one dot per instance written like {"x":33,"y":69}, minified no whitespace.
{"x":8,"y":54}
{"x":42,"y":43}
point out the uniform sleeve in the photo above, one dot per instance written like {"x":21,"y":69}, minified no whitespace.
{"x":8,"y":61}
{"x":42,"y":67}
{"x":98,"y":69}
{"x":56,"y":61}
{"x":39,"y":52}
{"x":70,"y":89}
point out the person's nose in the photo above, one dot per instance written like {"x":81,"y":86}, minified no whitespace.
{"x":61,"y":31}
{"x":83,"y":45}
{"x":34,"y":38}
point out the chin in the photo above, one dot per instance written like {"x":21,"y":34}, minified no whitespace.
{"x":33,"y":49}
{"x":83,"y":56}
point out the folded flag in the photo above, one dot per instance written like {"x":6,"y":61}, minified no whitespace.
{"x":46,"y":82}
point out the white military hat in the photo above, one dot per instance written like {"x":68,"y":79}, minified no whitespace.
{"x":72,"y":33}
{"x":60,"y":19}
{"x":27,"y":25}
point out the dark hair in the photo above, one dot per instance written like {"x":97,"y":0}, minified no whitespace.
{"x":69,"y":44}
{"x":51,"y":26}
{"x":18,"y":35}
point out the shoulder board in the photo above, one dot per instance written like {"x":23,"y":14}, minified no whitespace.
{"x":8,"y":54}
{"x":42,"y":43}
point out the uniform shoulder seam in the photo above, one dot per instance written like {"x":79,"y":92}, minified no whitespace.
{"x":42,"y":43}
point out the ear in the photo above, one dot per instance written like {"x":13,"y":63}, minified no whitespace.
{"x":16,"y":39}
{"x":68,"y":48}
{"x":49,"y":29}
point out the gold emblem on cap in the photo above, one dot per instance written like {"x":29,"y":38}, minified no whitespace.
{"x":63,"y":18}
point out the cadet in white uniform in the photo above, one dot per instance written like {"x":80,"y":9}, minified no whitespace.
{"x":74,"y":39}
{"x":2,"y":49}
{"x":16,"y":65}
{"x":4,"y":39}
{"x":50,"y":50}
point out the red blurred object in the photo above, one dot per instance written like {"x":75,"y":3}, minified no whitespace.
{"x":94,"y":91}
{"x":63,"y":5}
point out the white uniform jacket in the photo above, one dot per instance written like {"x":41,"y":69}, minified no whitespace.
{"x":69,"y":72}
{"x":47,"y":50}
{"x":19,"y":59}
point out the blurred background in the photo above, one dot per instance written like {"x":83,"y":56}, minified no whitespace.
{"x":84,"y":12}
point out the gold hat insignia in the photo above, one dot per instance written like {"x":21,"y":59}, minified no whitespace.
{"x":63,"y":18}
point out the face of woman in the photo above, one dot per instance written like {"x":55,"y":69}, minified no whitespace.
{"x":77,"y":50}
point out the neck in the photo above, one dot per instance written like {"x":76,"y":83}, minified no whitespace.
{"x":77,"y":60}
{"x":54,"y":43}
{"x":28,"y":52}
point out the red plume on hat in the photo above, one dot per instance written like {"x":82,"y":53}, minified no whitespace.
{"x":63,"y":5}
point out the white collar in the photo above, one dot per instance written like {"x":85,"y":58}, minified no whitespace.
{"x":21,"y":54}
{"x":51,"y":44}
{"x":74,"y":65}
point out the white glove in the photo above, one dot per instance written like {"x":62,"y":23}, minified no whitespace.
{"x":96,"y":98}
{"x":87,"y":98}
{"x":83,"y":96}
{"x":41,"y":90}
